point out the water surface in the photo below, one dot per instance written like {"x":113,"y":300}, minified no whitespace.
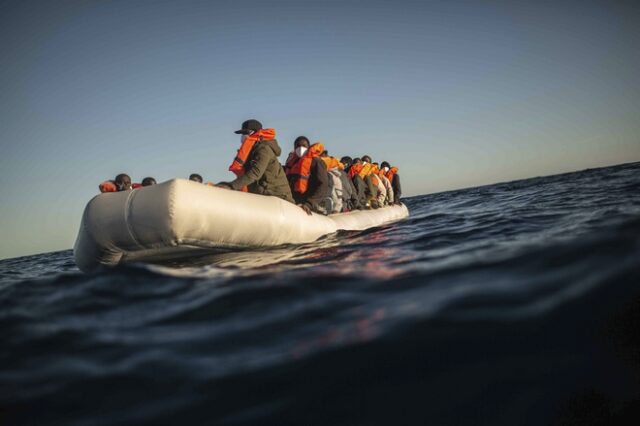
{"x":515,"y":303}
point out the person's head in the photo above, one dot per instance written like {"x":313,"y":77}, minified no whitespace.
{"x":148,"y":181}
{"x":366,"y":159}
{"x":123,"y":182}
{"x":385,"y":166}
{"x":301,"y":141}
{"x":249,"y":127}
{"x":325,"y":153}
{"x":357,"y":161}
{"x":301,"y":145}
{"x":195,"y":177}
{"x":346,"y":160}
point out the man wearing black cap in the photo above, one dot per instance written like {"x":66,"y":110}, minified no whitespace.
{"x":249,"y":126}
{"x":256,"y":165}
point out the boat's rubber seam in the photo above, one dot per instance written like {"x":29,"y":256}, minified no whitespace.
{"x":128,"y":213}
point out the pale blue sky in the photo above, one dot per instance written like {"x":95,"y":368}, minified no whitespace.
{"x":457,"y":94}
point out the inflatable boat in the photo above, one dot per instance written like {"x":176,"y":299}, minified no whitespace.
{"x":179,"y":219}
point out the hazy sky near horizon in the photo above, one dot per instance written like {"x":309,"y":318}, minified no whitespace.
{"x":457,"y":94}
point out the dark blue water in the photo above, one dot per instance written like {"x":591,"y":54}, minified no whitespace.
{"x":515,"y":303}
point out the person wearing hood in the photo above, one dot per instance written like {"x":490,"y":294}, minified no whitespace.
{"x":256,"y":164}
{"x":391,"y":173}
{"x":307,"y":175}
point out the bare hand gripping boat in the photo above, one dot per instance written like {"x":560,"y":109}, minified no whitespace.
{"x":180,"y":218}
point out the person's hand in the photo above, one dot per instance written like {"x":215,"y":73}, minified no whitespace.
{"x":224,"y":185}
{"x":305,"y":208}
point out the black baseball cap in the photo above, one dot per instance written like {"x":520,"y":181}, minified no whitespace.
{"x":249,"y":126}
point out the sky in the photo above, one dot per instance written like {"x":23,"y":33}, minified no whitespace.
{"x":456,"y":94}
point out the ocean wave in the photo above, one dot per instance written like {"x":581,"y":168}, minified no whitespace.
{"x":516,"y":301}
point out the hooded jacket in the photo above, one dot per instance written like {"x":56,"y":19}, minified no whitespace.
{"x":263,"y":173}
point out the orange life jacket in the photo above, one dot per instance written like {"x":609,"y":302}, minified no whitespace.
{"x":355,"y":170}
{"x":136,"y":185}
{"x":373,"y":172}
{"x":291,"y":161}
{"x":301,"y":170}
{"x":108,"y":186}
{"x":332,"y":163}
{"x":381,"y":173}
{"x":237,"y":166}
{"x":391,"y":173}
{"x":366,"y":170}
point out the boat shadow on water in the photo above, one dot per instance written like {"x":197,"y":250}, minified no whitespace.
{"x":328,"y":248}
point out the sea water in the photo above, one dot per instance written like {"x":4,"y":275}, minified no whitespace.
{"x":514,"y":303}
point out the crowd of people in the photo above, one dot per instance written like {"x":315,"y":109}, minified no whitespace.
{"x":310,"y":177}
{"x":122,"y":182}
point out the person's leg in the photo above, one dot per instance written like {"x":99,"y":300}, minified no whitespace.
{"x":372,"y":192}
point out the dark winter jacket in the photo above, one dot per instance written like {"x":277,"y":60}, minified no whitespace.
{"x":263,"y":172}
{"x":397,"y":188}
{"x":361,"y":191}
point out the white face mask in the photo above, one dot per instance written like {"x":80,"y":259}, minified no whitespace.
{"x":386,"y":169}
{"x":243,"y":138}
{"x":364,"y":163}
{"x":300,"y":151}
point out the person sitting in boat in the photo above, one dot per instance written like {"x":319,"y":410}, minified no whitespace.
{"x":343,"y":193}
{"x":387,"y":186}
{"x":365,"y":174}
{"x":352,"y":167}
{"x":338,"y":200}
{"x":384,"y":185}
{"x":363,"y":168}
{"x":148,"y":181}
{"x":307,"y":175}
{"x":256,"y":164}
{"x":381,"y":190}
{"x":391,"y":173}
{"x":122,"y":182}
{"x":195,"y":177}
